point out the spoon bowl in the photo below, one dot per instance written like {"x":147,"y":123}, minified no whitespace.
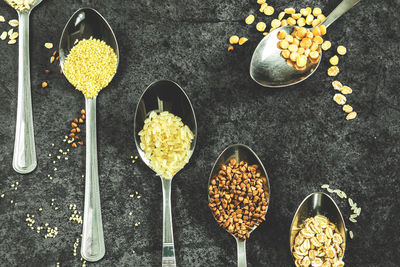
{"x":269,"y":69}
{"x":32,"y":6}
{"x":239,"y":152}
{"x":313,"y":205}
{"x":83,"y":24}
{"x":162,"y":96}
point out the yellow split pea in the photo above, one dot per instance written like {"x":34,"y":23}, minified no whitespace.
{"x":90,"y":66}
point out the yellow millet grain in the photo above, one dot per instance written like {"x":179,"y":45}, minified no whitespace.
{"x":90,"y":66}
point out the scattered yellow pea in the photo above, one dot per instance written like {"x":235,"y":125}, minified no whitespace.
{"x":294,"y":56}
{"x":290,"y":11}
{"x":285,"y":54}
{"x":333,"y":71}
{"x":281,"y":15}
{"x":326,"y":45}
{"x":250,"y":19}
{"x":284,"y":44}
{"x":301,"y":22}
{"x":261,"y":26}
{"x":282,"y":34}
{"x":301,"y":61}
{"x":296,"y":16}
{"x":242,"y":40}
{"x":309,"y":19}
{"x":275,"y":23}
{"x":234,"y":39}
{"x":263,"y":6}
{"x":334,"y":60}
{"x":341,"y":50}
{"x":269,"y":10}
{"x":293,"y":48}
{"x":260,"y":2}
{"x":317,"y":11}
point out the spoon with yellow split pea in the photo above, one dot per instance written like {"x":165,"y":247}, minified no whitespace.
{"x":24,"y":158}
{"x":269,"y":69}
{"x":163,"y":96}
{"x":85,"y":24}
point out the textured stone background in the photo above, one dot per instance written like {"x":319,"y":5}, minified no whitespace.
{"x":299,"y":133}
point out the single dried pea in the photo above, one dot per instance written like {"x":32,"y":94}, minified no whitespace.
{"x":250,"y":19}
{"x":351,"y":115}
{"x":301,"y":22}
{"x":333,"y":71}
{"x":314,"y":47}
{"x":334,"y":60}
{"x":326,"y":45}
{"x":309,"y":19}
{"x":304,"y":12}
{"x":230,"y":48}
{"x":296,"y":16}
{"x":290,"y":10}
{"x":234,"y":39}
{"x":282,"y":34}
{"x":337,"y":85}
{"x":261,"y":26}
{"x":296,"y":41}
{"x":293,"y":48}
{"x":307,"y":52}
{"x":346,"y":90}
{"x":322,"y":29}
{"x":275,"y":23}
{"x":318,"y":40}
{"x":269,"y":10}
{"x":289,"y":38}
{"x":347,"y":108}
{"x":339,"y":99}
{"x":301,"y":61}
{"x":242,"y":40}
{"x":284,"y":23}
{"x":306,"y":43}
{"x":321,"y":17}
{"x":294,"y":56}
{"x":3,"y":36}
{"x":44,"y":84}
{"x":285,"y":54}
{"x":317,"y":11}
{"x":291,"y":21}
{"x":281,"y":15}
{"x":262,"y":7}
{"x":260,"y":2}
{"x":315,"y":22}
{"x":314,"y":54}
{"x":341,"y":50}
{"x":301,"y":32}
{"x":284,"y":44}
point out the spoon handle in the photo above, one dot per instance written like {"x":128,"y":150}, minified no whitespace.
{"x":241,"y":251}
{"x":342,"y":8}
{"x":24,"y":159}
{"x":168,"y":250}
{"x":93,"y":248}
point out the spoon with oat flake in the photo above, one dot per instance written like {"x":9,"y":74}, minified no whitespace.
{"x":269,"y":69}
{"x":24,"y":159}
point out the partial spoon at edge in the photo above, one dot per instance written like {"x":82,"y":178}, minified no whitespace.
{"x":313,"y":205}
{"x":24,"y":158}
{"x":269,"y":69}
{"x":239,"y":152}
{"x":83,"y":24}
{"x":168,"y":96}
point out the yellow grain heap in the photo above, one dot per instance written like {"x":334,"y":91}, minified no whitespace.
{"x":90,"y":66}
{"x":166,"y":142}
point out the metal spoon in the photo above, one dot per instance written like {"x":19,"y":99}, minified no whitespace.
{"x":269,"y":69}
{"x":24,"y":159}
{"x":313,"y":205}
{"x":83,"y":24}
{"x":168,"y":96}
{"x":239,"y":152}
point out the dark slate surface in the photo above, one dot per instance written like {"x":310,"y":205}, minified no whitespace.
{"x":299,"y":133}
